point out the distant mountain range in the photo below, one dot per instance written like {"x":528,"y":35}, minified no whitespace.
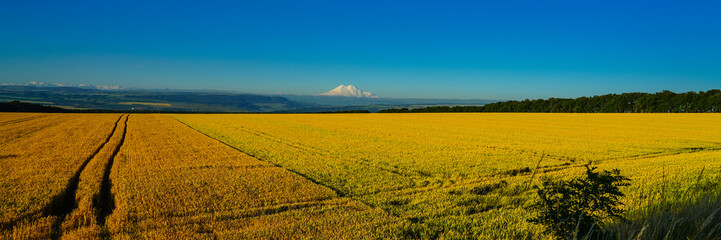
{"x":42,"y":84}
{"x":125,"y":100}
{"x":342,"y":98}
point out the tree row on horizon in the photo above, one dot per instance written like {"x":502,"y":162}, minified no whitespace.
{"x":660,"y":102}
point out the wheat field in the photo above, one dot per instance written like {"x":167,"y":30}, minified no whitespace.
{"x":432,"y":170}
{"x":328,"y":176}
{"x":42,"y":157}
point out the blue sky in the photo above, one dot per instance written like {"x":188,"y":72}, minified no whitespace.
{"x":420,"y":49}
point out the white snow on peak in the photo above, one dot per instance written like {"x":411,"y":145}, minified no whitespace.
{"x":348,"y":91}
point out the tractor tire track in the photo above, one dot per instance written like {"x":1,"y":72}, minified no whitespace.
{"x":64,"y":203}
{"x":104,"y":203}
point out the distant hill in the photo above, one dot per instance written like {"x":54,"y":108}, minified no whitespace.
{"x":128,"y":100}
{"x":660,"y":102}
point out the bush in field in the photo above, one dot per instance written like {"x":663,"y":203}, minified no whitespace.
{"x":576,"y":208}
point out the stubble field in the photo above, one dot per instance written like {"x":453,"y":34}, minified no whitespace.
{"x":455,"y":175}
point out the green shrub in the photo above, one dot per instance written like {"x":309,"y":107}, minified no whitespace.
{"x":575,"y":208}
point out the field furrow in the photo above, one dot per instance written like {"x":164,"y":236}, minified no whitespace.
{"x":14,"y":118}
{"x":28,"y":128}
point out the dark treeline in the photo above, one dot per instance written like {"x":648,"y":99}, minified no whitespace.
{"x":17,"y":106}
{"x":660,"y":102}
{"x":347,"y":111}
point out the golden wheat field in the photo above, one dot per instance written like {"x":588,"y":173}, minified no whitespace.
{"x":327,"y":176}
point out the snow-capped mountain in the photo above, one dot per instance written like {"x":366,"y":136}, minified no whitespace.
{"x":348,"y":91}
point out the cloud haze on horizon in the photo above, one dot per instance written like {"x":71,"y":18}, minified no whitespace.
{"x":418,"y":49}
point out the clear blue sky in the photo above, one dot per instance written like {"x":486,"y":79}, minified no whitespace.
{"x":422,"y":49}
